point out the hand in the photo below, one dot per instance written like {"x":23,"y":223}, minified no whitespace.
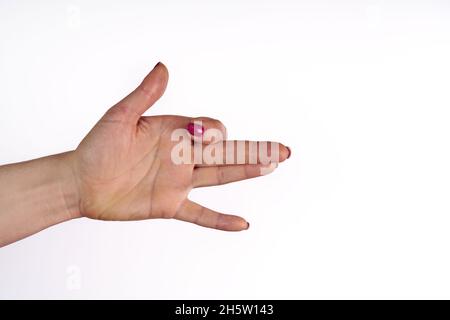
{"x":124,"y":171}
{"x":132,"y":167}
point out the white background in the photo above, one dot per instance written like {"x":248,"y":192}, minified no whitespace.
{"x":358,"y":89}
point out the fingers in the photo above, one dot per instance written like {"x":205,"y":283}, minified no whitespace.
{"x":243,"y":152}
{"x":206,"y":130}
{"x":144,"y":96}
{"x":195,"y":213}
{"x":218,"y":175}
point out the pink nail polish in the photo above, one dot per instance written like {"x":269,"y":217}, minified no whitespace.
{"x":195,"y":129}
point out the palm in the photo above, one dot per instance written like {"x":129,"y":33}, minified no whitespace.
{"x":126,"y":173}
{"x":123,"y":174}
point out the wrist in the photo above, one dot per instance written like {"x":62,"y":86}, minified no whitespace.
{"x":35,"y":195}
{"x":67,"y":186}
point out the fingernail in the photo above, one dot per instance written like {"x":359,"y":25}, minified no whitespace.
{"x":248,"y":225}
{"x":268,"y":169}
{"x":289,"y":152}
{"x":195,"y":129}
{"x":157,"y":64}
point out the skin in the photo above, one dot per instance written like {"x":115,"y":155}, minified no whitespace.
{"x":122,"y":170}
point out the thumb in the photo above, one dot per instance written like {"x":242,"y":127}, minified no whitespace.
{"x":146,"y":94}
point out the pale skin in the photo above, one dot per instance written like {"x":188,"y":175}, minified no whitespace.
{"x":122,"y":170}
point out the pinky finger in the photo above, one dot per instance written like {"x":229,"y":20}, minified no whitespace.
{"x":195,"y":213}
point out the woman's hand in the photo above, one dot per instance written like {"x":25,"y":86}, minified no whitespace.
{"x":124,"y":168}
{"x":132,"y":167}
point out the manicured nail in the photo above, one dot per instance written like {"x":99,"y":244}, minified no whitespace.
{"x":195,"y":129}
{"x":289,"y":152}
{"x":248,"y":225}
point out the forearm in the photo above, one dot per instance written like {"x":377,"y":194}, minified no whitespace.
{"x":35,"y":195}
